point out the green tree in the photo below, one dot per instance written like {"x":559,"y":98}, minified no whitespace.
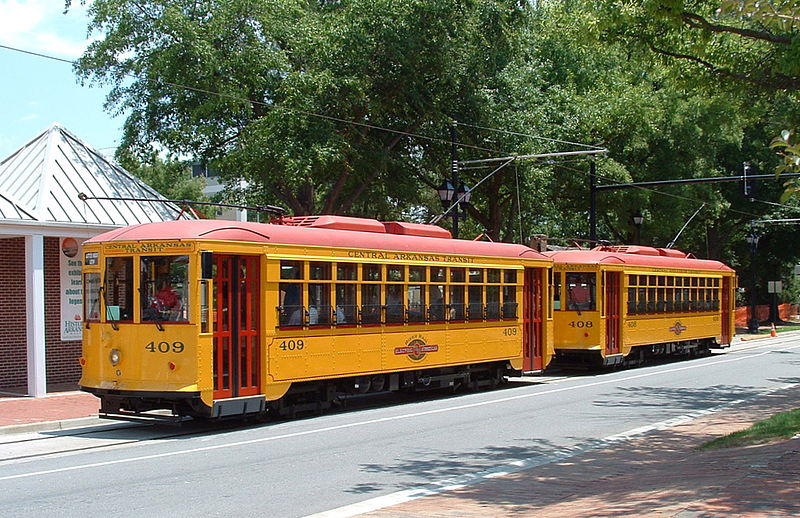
{"x":171,"y":178}
{"x":291,"y":95}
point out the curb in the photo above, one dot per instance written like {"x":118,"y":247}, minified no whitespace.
{"x":48,"y":426}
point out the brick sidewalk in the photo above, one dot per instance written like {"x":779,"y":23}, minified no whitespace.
{"x":660,"y":474}
{"x":54,"y":407}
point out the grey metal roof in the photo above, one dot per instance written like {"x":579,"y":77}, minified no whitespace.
{"x":42,"y":179}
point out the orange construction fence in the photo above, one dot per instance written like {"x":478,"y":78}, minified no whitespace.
{"x":785,"y":311}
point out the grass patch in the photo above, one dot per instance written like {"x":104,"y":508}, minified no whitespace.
{"x":780,"y":426}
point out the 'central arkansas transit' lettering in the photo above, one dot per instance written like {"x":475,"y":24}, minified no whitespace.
{"x":405,"y":257}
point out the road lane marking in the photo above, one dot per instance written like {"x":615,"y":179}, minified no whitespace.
{"x":378,"y":420}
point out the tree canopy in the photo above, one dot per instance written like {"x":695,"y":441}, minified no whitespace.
{"x":344,"y":106}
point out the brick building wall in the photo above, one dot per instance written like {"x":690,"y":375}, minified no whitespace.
{"x":61,"y":357}
{"x":13,"y":314}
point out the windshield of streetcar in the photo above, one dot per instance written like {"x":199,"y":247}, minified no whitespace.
{"x":163,"y":291}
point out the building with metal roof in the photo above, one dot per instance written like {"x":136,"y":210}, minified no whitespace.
{"x":43,"y":221}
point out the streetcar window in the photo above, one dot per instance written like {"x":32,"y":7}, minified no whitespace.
{"x":416,"y":303}
{"x":670,"y":305}
{"x":436,"y":297}
{"x":456,"y":305}
{"x":91,"y":297}
{"x":632,"y":301}
{"x":395,"y":307}
{"x":416,"y":274}
{"x":493,"y":276}
{"x":510,"y":276}
{"x":493,"y":302}
{"x":457,"y":275}
{"x":319,"y":271}
{"x":395,"y":273}
{"x":319,"y":304}
{"x":204,"y":320}
{"x":476,"y":275}
{"x":371,"y":272}
{"x":510,"y":301}
{"x":438,"y":274}
{"x":556,"y":291}
{"x":292,"y":270}
{"x":163,"y":291}
{"x":346,"y":304}
{"x":291,"y":305}
{"x":475,"y":308}
{"x":371,"y":303}
{"x":580,"y":291}
{"x":347,"y":272}
{"x":118,"y":292}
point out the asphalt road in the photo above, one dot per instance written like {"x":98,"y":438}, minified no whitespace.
{"x":373,"y":455}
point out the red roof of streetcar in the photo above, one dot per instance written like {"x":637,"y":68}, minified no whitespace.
{"x":301,"y":235}
{"x":637,"y":256}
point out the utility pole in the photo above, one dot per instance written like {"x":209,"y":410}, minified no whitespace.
{"x":454,"y":174}
{"x":592,"y":201}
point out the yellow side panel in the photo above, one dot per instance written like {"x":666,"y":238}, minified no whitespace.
{"x":674,"y":328}
{"x":397,"y":349}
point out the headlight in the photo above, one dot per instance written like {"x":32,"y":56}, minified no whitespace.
{"x":114,"y":356}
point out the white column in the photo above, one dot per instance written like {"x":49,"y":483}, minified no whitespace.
{"x":34,"y":283}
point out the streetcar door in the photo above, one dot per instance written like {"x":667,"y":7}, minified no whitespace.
{"x":726,"y":311}
{"x":236,"y":326}
{"x":532,"y":293}
{"x":612,"y":302}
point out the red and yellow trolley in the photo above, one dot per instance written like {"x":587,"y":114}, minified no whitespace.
{"x":616,"y":304}
{"x":216,"y":318}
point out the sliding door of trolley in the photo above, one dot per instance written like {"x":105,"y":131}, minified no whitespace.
{"x":727,"y":308}
{"x":532,"y":317}
{"x":612,"y":305}
{"x":236,"y":326}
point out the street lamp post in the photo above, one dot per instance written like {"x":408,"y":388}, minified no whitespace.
{"x":638,"y":219}
{"x":450,"y":195}
{"x":752,"y":240}
{"x":452,"y":191}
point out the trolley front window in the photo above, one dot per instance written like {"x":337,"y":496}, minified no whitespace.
{"x":580,"y":291}
{"x":118,"y":291}
{"x":91,"y":297}
{"x":164,"y":294}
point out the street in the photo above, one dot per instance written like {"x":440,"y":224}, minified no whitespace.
{"x":375,"y":455}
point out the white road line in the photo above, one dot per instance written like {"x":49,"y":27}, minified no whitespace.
{"x":381,"y":502}
{"x":379,"y":420}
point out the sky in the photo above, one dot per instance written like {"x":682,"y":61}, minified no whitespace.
{"x":36,"y":92}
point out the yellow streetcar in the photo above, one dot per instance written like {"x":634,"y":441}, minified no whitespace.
{"x":623,"y":304}
{"x":213,"y":318}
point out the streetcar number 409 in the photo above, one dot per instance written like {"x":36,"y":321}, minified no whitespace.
{"x":165,"y":347}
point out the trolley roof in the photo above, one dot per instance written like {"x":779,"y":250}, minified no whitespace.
{"x":267,"y":233}
{"x":637,"y":256}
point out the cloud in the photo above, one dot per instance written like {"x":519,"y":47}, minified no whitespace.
{"x":42,"y":26}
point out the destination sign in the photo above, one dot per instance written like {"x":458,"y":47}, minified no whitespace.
{"x":148,"y":247}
